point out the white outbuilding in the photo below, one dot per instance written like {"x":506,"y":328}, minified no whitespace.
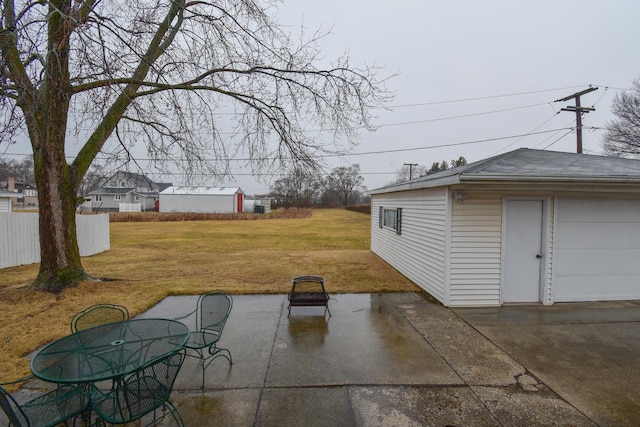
{"x":201,"y":199}
{"x":5,"y":200}
{"x":527,"y":226}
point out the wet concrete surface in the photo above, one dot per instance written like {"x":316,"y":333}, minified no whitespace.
{"x":380,"y":360}
{"x":588,"y":353}
{"x":403,"y":360}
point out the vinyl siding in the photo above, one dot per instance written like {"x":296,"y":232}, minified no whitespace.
{"x":419,"y":252}
{"x":476,"y":236}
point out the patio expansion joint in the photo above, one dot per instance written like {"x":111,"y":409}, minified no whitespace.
{"x":430,"y":344}
{"x":266,"y":374}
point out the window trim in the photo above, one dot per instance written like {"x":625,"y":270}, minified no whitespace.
{"x":390,"y":218}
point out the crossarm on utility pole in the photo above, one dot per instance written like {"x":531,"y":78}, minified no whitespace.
{"x":578,"y":109}
{"x":411,"y":165}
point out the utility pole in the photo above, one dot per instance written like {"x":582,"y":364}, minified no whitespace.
{"x":578,"y":109}
{"x":411,"y":165}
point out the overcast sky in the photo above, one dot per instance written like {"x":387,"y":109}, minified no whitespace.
{"x":510,"y":56}
{"x":474,"y":75}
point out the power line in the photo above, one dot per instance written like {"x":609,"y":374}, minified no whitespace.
{"x":480,"y":98}
{"x":451,"y":101}
{"x":532,"y":130}
{"x":557,"y":140}
{"x":366,"y":153}
{"x":462,"y":115}
{"x":438,"y":119}
{"x":455,"y":144}
{"x":567,"y":126}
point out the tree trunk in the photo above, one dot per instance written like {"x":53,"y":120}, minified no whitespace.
{"x":60,"y":264}
{"x":46,"y":118}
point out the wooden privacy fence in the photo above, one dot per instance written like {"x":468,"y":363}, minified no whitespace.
{"x":20,"y":238}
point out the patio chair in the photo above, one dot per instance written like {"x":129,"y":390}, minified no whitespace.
{"x":141,"y":393}
{"x":212,"y":311}
{"x":49,"y":409}
{"x":98,"y":314}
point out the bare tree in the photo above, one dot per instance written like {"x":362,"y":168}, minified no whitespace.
{"x":622,"y":138}
{"x":169,"y":74}
{"x":93,"y":179}
{"x":22,"y":170}
{"x":409,"y":171}
{"x":343,"y":184}
{"x":296,"y":189}
{"x":403,"y":174}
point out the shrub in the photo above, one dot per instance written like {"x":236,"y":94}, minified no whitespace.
{"x":362,"y":208}
{"x":292,"y":213}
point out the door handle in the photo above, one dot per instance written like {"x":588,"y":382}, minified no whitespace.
{"x":538,"y":256}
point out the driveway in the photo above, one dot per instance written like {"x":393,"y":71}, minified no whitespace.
{"x":587,"y":353}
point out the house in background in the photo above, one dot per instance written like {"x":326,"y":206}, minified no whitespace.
{"x":527,"y":226}
{"x":126,"y":188}
{"x":24,"y":194}
{"x":202,"y":199}
{"x":5,"y":200}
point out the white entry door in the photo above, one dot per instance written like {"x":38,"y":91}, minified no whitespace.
{"x":522,"y":251}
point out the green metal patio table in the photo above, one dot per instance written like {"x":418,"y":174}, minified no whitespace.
{"x":108,"y":352}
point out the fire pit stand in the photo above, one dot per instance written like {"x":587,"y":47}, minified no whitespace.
{"x":308,"y":291}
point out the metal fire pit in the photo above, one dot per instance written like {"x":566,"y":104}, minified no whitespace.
{"x":308,"y":291}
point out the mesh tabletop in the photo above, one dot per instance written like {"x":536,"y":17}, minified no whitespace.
{"x":108,"y":351}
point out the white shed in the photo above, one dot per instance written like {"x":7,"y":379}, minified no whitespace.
{"x":5,"y":200}
{"x":527,"y":226}
{"x":201,"y":199}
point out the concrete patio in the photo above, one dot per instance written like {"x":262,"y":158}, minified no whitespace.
{"x":404,"y":360}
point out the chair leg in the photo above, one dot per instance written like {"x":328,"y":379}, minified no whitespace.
{"x":226,"y":356}
{"x":217,"y":352}
{"x":204,"y":367}
{"x":326,"y":310}
{"x":175,"y":413}
{"x":167,"y":408}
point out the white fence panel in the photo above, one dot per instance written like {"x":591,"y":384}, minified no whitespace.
{"x":93,"y":234}
{"x":130,"y":207}
{"x":19,"y":242}
{"x":20,"y":238}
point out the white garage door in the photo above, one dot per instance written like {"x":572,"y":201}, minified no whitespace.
{"x":596,"y":250}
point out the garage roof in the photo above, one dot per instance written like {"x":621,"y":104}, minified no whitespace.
{"x":527,"y":165}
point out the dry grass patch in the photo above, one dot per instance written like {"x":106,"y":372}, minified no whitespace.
{"x":151,"y":260}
